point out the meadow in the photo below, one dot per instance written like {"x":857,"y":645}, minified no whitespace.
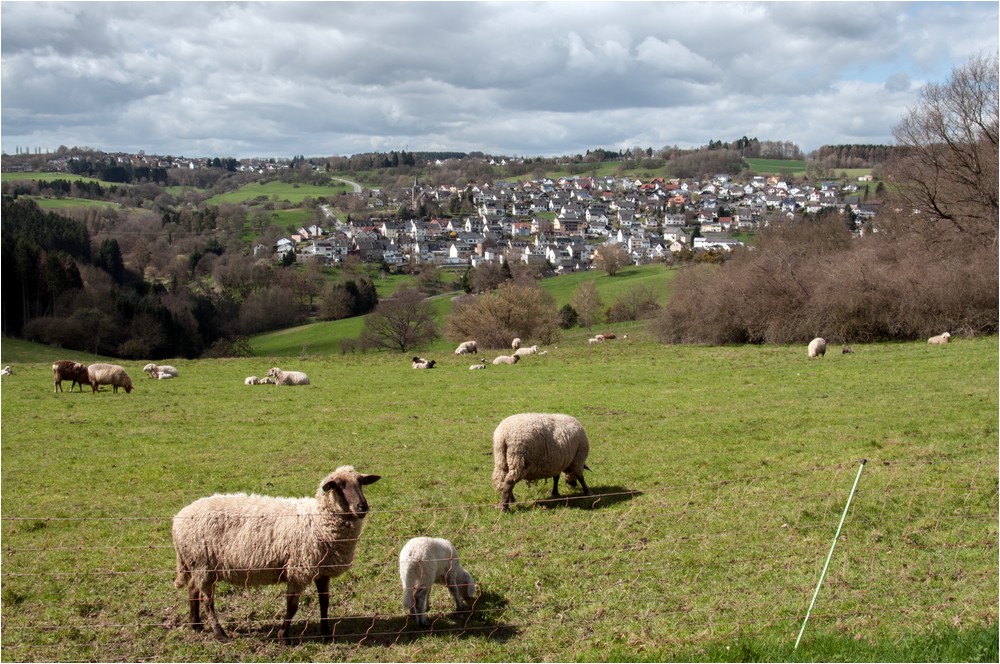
{"x":720,"y":476}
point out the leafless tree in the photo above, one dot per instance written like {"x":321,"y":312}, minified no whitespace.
{"x":512,"y":310}
{"x":611,"y":258}
{"x":402,"y":322}
{"x":587,"y":302}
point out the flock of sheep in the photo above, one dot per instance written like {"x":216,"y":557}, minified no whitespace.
{"x":263,"y":540}
{"x":472,"y":348}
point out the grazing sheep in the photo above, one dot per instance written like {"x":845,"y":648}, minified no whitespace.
{"x":69,"y":370}
{"x":421,"y":363}
{"x":154,"y":371}
{"x":940,"y":339}
{"x":7,"y":371}
{"x":846,"y":349}
{"x":250,"y":380}
{"x":109,"y":374}
{"x":535,"y":446}
{"x":516,"y":343}
{"x":507,"y":359}
{"x":817,"y":347}
{"x":528,"y":350}
{"x":287,"y":377}
{"x":424,"y":561}
{"x":252,"y":540}
{"x":482,"y":365}
{"x":467,"y":348}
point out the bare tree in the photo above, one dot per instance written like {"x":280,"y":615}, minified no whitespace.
{"x":587,"y":302}
{"x":512,"y":310}
{"x":611,"y":258}
{"x":401,"y":322}
{"x":947,"y":171}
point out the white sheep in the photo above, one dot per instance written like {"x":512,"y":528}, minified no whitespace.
{"x":467,"y":348}
{"x":287,"y":377}
{"x":421,"y":363}
{"x":536,"y":446}
{"x":940,"y":339}
{"x":253,"y":540}
{"x":424,"y":561}
{"x":817,"y":347}
{"x":7,"y":371}
{"x":266,"y":380}
{"x":250,"y":380}
{"x":595,"y":340}
{"x":528,"y":350}
{"x":165,"y":375}
{"x":108,"y":374}
{"x":515,"y":343}
{"x":482,"y":365}
{"x":507,"y":359}
{"x":154,"y":370}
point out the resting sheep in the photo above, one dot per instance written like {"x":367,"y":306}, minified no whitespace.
{"x":817,"y":347}
{"x":507,"y":359}
{"x":260,"y":540}
{"x":535,"y":446}
{"x":467,"y":348}
{"x":69,"y":370}
{"x":109,"y":374}
{"x":424,"y":561}
{"x":595,"y":340}
{"x":287,"y":377}
{"x":529,"y":350}
{"x":940,"y":339}
{"x":250,"y":380}
{"x":515,"y":343}
{"x":482,"y":365}
{"x":421,"y":363}
{"x":7,"y":371}
{"x":154,"y":370}
{"x":165,"y":375}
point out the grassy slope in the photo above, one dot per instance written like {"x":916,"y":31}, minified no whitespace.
{"x":723,"y":470}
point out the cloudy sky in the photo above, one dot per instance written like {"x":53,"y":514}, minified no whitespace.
{"x":277,"y":79}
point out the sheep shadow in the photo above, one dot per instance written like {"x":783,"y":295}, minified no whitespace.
{"x":483,"y":622}
{"x":603,"y":497}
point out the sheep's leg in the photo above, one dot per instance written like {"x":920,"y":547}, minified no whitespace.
{"x":457,"y":596}
{"x":291,"y":606}
{"x":423,"y":604}
{"x":194,"y":606}
{"x":323,"y":591}
{"x":586,"y":489}
{"x":506,"y":496}
{"x":208,"y":592}
{"x":555,"y":486}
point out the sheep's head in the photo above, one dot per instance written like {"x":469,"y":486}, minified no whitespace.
{"x":466,"y":587}
{"x":273,"y":372}
{"x":341,"y":490}
{"x":127,"y":384}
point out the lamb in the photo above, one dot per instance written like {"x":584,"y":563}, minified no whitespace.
{"x":595,"y":340}
{"x":109,"y":374}
{"x":165,"y":375}
{"x":535,"y":446}
{"x":817,"y":347}
{"x":7,"y":371}
{"x":154,"y":371}
{"x":287,"y":377}
{"x":266,"y":380}
{"x":262,"y":540}
{"x":940,"y":339}
{"x":482,"y":365}
{"x":467,"y":348}
{"x":529,"y":350}
{"x":421,"y":363}
{"x":424,"y":561}
{"x":69,"y":370}
{"x":507,"y":359}
{"x":250,"y":380}
{"x":515,"y":343}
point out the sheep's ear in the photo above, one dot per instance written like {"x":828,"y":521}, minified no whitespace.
{"x":329,"y":486}
{"x":369,"y":479}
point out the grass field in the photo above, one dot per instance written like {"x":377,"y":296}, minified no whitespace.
{"x":777,"y":166}
{"x":721,"y":474}
{"x":277,"y":190}
{"x":49,"y":177}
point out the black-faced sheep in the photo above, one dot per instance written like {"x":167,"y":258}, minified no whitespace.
{"x":536,"y":446}
{"x":259,"y":540}
{"x":109,"y":374}
{"x":817,"y":347}
{"x":287,"y":377}
{"x":421,"y":363}
{"x":424,"y":561}
{"x":69,"y":370}
{"x":467,"y":348}
{"x":507,"y":359}
{"x":940,"y":339}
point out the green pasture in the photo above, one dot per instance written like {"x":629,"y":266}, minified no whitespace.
{"x":57,"y":204}
{"x":276,"y":190}
{"x":49,"y":177}
{"x":777,"y":166}
{"x":720,"y":475}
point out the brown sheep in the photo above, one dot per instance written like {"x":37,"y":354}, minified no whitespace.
{"x":69,"y":370}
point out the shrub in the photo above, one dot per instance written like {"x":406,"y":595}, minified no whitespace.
{"x":512,"y":310}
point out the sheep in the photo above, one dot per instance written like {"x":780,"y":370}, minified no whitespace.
{"x":69,"y":370}
{"x":165,"y":375}
{"x":529,"y":350}
{"x":287,"y":377}
{"x":507,"y":359}
{"x":817,"y":347}
{"x":263,"y":540}
{"x":467,"y":348}
{"x":109,"y":374}
{"x":846,"y":349}
{"x":266,"y":380}
{"x":154,"y":370}
{"x":482,"y":365}
{"x":608,"y":336}
{"x":424,"y":561}
{"x":515,"y":343}
{"x":250,"y":380}
{"x":940,"y":339}
{"x":421,"y":363}
{"x":599,"y":337}
{"x":595,"y":340}
{"x":7,"y":371}
{"x":535,"y":446}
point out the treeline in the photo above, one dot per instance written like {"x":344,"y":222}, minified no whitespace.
{"x":165,"y":291}
{"x":852,"y":156}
